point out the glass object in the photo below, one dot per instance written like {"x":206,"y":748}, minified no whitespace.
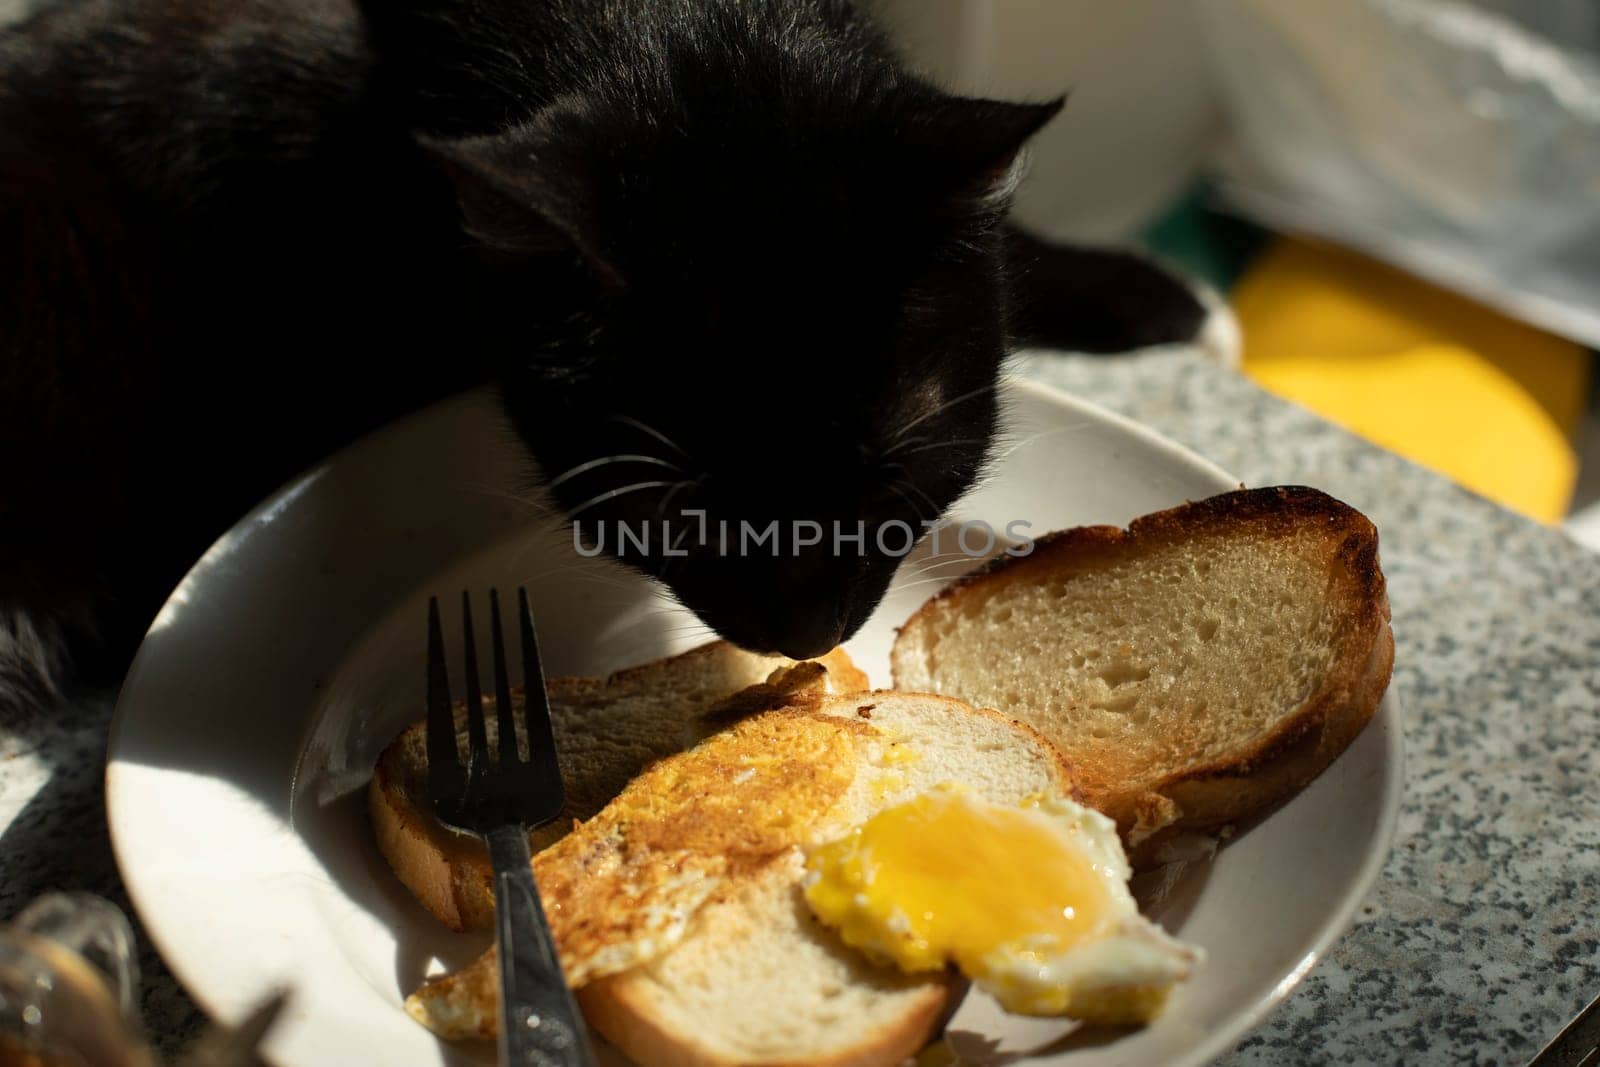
{"x":68,"y":977}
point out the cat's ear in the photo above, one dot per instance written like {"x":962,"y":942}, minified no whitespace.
{"x":511,"y":206}
{"x":979,"y":145}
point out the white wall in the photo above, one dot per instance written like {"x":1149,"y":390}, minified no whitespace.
{"x":1141,"y":111}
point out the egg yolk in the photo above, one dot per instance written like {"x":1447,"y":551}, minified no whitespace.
{"x":947,"y":876}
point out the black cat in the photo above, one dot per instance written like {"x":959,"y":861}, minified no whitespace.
{"x":725,"y":256}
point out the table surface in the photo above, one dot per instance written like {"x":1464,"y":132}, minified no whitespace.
{"x":1482,"y":936}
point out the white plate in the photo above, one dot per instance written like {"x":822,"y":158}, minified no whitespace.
{"x":292,"y":652}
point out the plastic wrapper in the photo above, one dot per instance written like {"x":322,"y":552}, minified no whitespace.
{"x":1460,"y":140}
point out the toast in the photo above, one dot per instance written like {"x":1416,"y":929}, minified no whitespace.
{"x":607,"y":730}
{"x":1195,"y":668}
{"x":678,"y":910}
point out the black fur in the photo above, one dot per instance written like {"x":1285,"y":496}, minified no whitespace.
{"x":733,"y":235}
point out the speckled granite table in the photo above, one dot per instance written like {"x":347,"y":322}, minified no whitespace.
{"x":1483,"y":934}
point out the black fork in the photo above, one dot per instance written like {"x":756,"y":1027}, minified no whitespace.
{"x":499,"y":796}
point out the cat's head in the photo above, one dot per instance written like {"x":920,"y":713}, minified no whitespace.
{"x":758,"y":300}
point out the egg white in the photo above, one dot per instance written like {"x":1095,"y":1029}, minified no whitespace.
{"x":1131,"y":955}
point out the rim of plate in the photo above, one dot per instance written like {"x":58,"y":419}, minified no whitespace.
{"x":1340,"y":918}
{"x":1218,"y":1040}
{"x":1178,"y":452}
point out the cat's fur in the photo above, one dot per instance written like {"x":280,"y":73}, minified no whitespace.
{"x":734,"y":236}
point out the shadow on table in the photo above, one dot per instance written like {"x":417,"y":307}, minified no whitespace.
{"x":59,"y":841}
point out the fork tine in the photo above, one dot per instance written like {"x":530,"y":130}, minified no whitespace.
{"x":536,"y":702}
{"x":442,"y":752}
{"x":477,"y":736}
{"x":505,"y":721}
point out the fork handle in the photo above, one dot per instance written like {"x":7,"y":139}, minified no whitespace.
{"x":539,"y":1021}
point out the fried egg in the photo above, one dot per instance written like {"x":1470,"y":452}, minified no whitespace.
{"x":1031,"y":902}
{"x":623,"y":888}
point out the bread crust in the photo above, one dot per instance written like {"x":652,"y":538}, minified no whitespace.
{"x":1209,"y":798}
{"x":1280,"y":762}
{"x":846,"y":675}
{"x":449,"y":873}
{"x":1277,"y":509}
{"x":624,"y":1009}
{"x":445,"y":876}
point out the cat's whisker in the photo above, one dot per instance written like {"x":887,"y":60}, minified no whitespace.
{"x":661,"y":508}
{"x":900,"y":444}
{"x":931,"y":560}
{"x":546,"y":536}
{"x":935,"y":579}
{"x":942,"y":408}
{"x":666,"y":601}
{"x":656,"y":615}
{"x":931,"y":447}
{"x":906,"y":481}
{"x":1071,"y":427}
{"x":920,"y":583}
{"x":605,"y":581}
{"x":894,"y":487}
{"x":612,"y":494}
{"x":531,"y":502}
{"x":923,"y":445}
{"x":671,"y":633}
{"x":672,"y":610}
{"x":934,"y":557}
{"x":665,"y":617}
{"x":929,"y":568}
{"x":934,"y":561}
{"x":923,"y":572}
{"x":617,"y":589}
{"x":932,"y":504}
{"x":629,"y":420}
{"x":568,"y":569}
{"x":677,"y":542}
{"x":687,"y":630}
{"x":664,"y":607}
{"x":595,"y":464}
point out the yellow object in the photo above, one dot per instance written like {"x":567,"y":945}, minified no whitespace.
{"x":1450,"y":384}
{"x":1031,"y":902}
{"x":946,"y":877}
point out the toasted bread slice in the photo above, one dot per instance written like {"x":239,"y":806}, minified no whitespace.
{"x":607,"y":730}
{"x":678,"y":910}
{"x":1195,"y":668}
{"x":780,"y":988}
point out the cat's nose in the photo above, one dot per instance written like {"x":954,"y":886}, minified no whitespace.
{"x":808,"y":634}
